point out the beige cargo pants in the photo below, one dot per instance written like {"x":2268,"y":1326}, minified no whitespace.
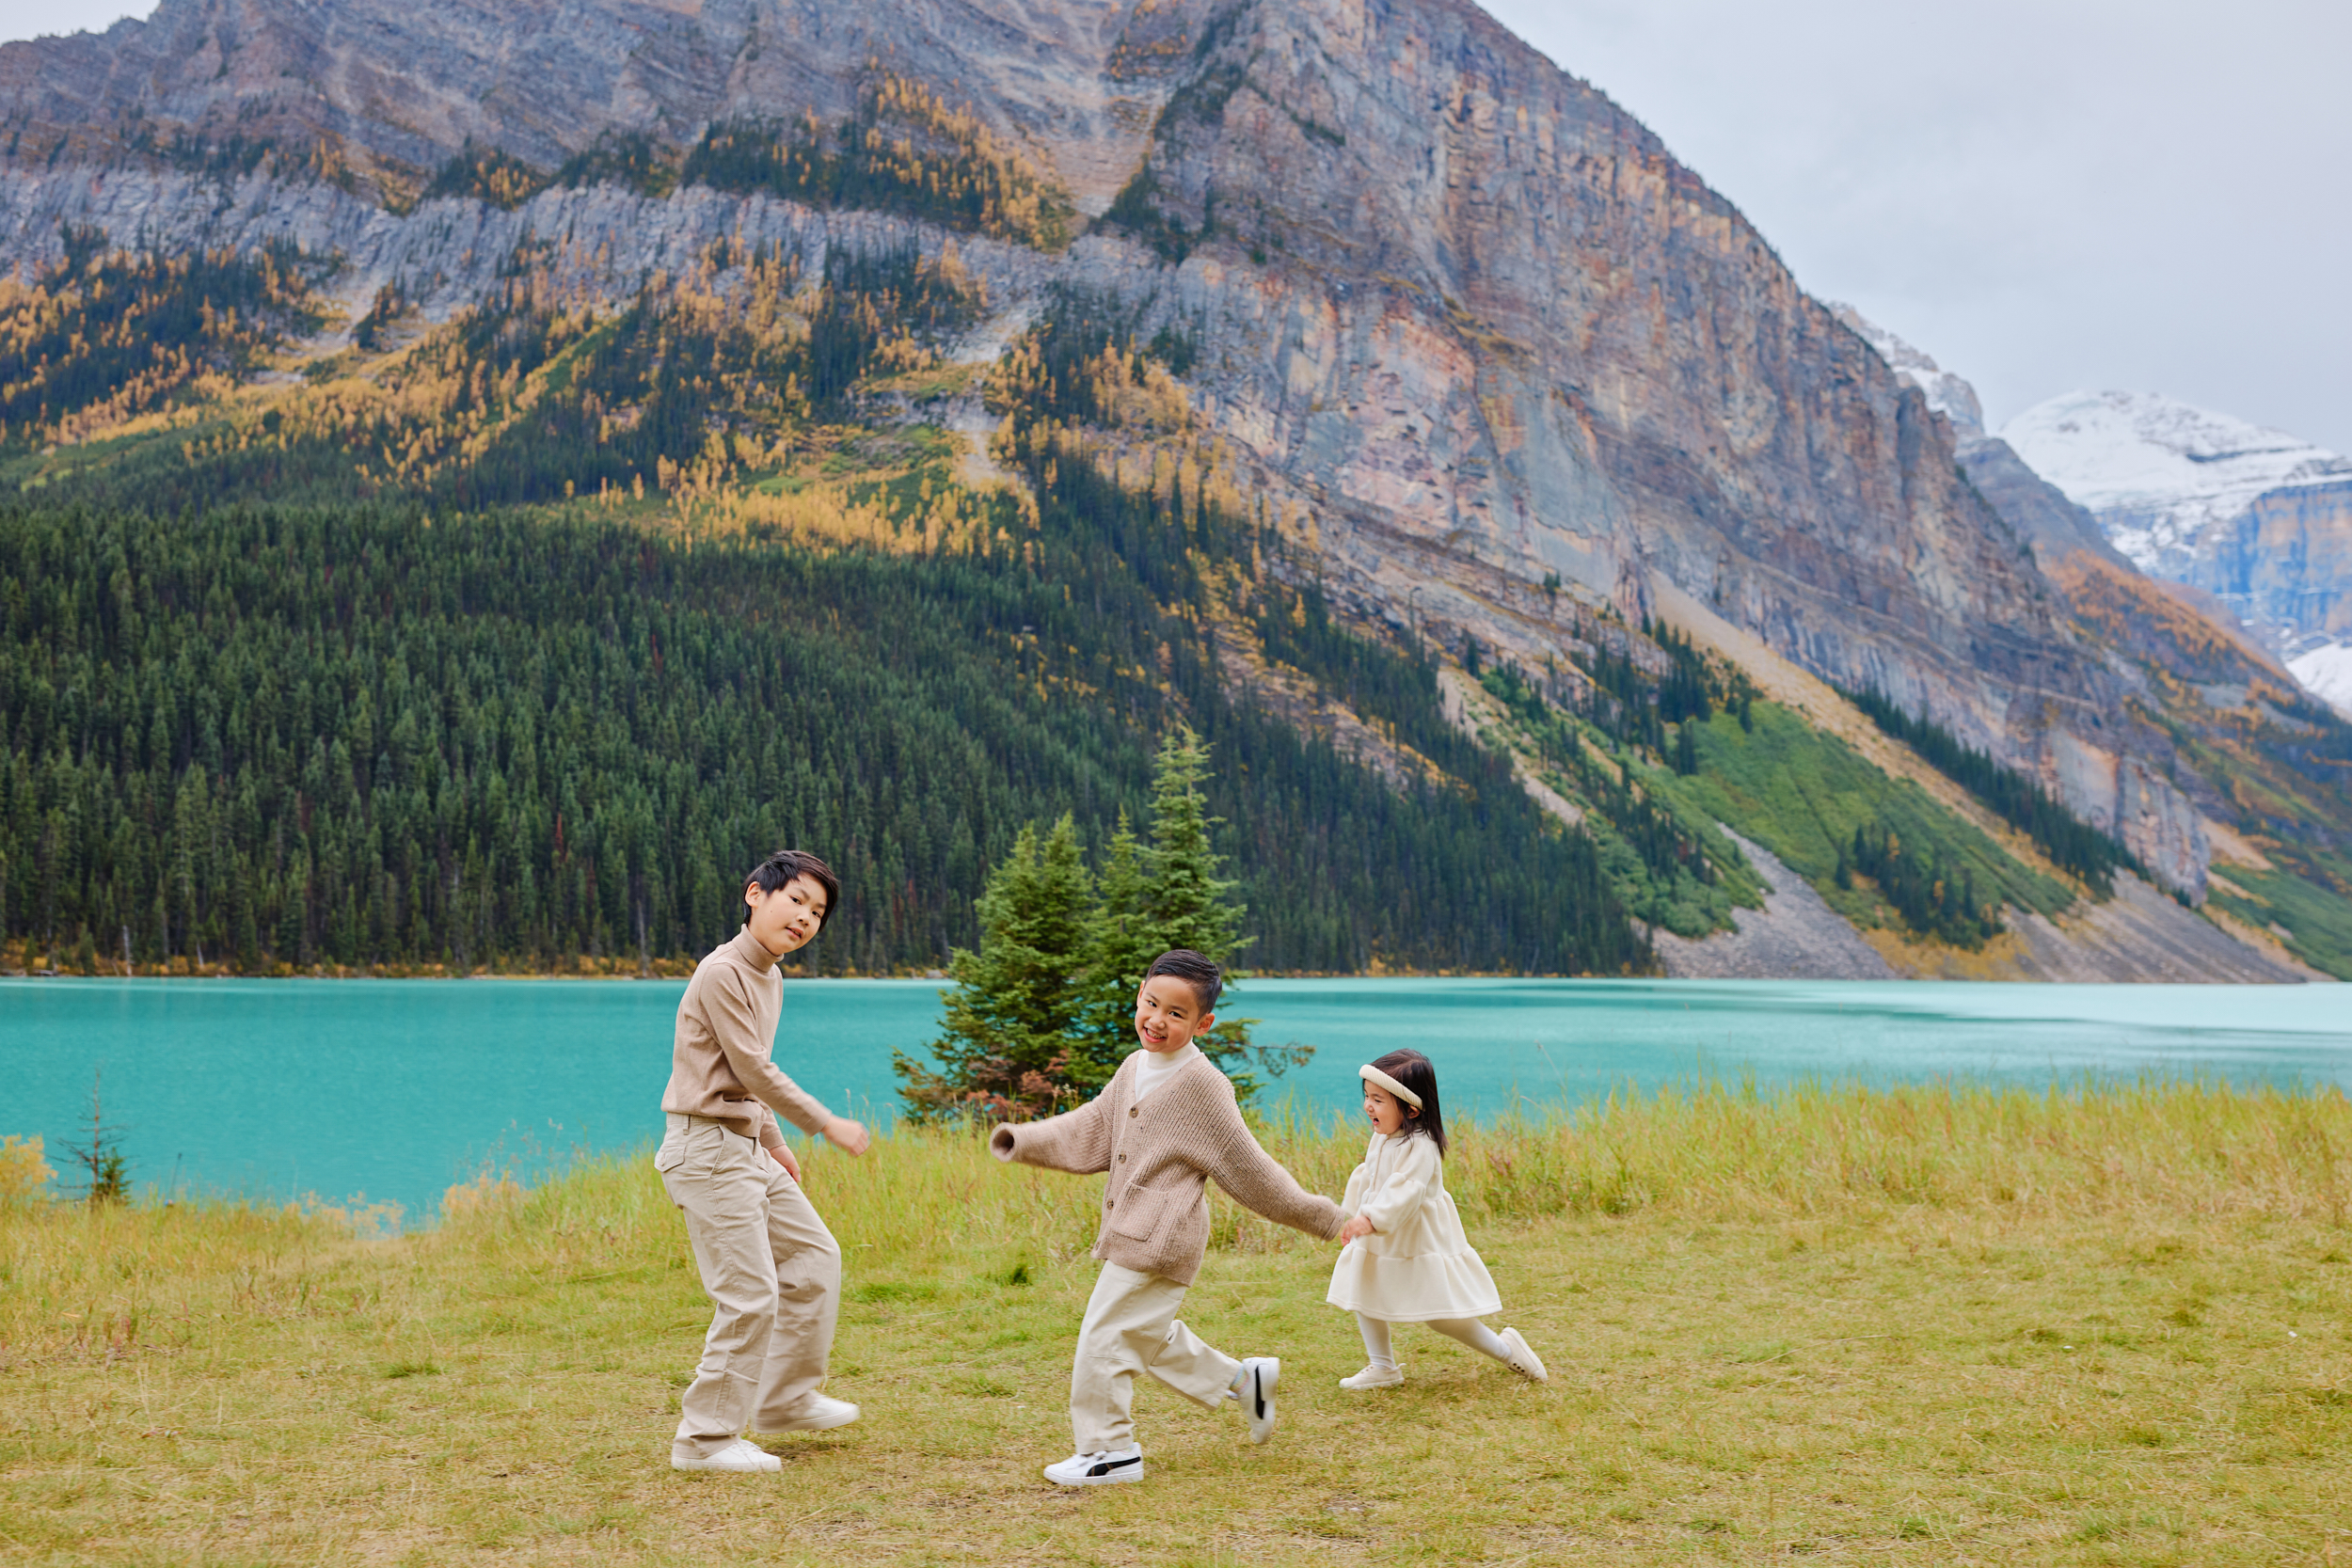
{"x":773,"y":1273}
{"x":1130,"y":1327}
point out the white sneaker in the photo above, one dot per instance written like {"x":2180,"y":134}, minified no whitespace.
{"x":1523,"y":1361}
{"x":1376,"y":1376}
{"x":1098,"y":1469}
{"x":819,"y":1413}
{"x":1258,"y":1373}
{"x":739,"y":1458}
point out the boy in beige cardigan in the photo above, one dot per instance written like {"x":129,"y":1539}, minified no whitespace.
{"x":1165,"y":1125}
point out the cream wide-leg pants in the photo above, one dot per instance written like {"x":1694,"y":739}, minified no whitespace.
{"x":773,"y":1273}
{"x":1131,"y":1327}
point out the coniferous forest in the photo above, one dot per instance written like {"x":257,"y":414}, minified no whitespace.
{"x":349,"y":737}
{"x":361,"y":726}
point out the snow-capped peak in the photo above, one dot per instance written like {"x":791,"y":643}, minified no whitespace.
{"x":1948,"y":394}
{"x":2159,"y":472}
{"x":2326,"y":671}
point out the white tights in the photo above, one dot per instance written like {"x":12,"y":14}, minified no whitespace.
{"x":1469,"y":1330}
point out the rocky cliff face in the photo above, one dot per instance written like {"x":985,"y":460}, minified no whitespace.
{"x":1457,"y":307}
{"x":1504,"y":334}
{"x":1948,"y":392}
{"x":379,"y":95}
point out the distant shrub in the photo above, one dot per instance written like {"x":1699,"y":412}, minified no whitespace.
{"x":23,"y":1174}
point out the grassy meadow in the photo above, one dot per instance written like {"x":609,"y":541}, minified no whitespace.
{"x":1945,"y":1324}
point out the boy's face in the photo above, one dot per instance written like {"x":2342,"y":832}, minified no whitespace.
{"x":1168,"y":1013}
{"x":782,"y":921}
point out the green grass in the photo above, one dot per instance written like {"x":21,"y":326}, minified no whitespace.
{"x":1922,"y":1326}
{"x":2316,"y":921}
{"x":1801,"y":793}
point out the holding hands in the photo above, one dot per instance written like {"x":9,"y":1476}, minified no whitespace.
{"x":1355,"y":1230}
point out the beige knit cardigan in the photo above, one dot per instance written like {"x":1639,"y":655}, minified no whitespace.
{"x":1161,"y":1154}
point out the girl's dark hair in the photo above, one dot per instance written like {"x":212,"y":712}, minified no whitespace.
{"x":785,"y":865}
{"x":1412,"y":1069}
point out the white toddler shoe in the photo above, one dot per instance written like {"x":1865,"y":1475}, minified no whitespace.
{"x":1098,"y":1469}
{"x":1378,"y":1375}
{"x":1521,"y":1360}
{"x":739,"y":1458}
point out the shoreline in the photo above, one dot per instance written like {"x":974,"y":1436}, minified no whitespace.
{"x":679,"y":970}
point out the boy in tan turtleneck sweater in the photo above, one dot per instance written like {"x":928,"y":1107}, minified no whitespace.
{"x":1164,"y":1126}
{"x":773,"y":1269}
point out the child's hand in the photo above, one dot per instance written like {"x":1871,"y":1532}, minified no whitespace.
{"x":1354,"y":1231}
{"x":783,"y":1157}
{"x":847,"y":1136}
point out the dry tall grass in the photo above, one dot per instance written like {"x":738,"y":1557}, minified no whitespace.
{"x":1933,"y":1325}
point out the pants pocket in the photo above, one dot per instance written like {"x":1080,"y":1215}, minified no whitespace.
{"x":693,"y":1154}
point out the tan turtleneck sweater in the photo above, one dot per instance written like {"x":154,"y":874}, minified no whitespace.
{"x":720,"y":1064}
{"x":1161,"y":1151}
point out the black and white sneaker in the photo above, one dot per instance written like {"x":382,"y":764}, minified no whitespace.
{"x":1258,"y":1373}
{"x":1098,"y":1469}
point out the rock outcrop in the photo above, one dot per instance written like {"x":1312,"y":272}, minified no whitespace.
{"x":1948,"y":392}
{"x":378,"y":95}
{"x":1795,"y":936}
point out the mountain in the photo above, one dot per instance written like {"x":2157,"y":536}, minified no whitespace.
{"x":1435,"y":348}
{"x":2257,"y":518}
{"x":1948,"y":392}
{"x":2216,"y":684}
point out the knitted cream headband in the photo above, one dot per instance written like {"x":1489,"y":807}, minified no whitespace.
{"x":1371,"y":1074}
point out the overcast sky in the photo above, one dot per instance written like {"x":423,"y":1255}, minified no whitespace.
{"x":2146,"y":194}
{"x":2043,"y":194}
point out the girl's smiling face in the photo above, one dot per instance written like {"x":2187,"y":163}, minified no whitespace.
{"x":1387,"y":1112}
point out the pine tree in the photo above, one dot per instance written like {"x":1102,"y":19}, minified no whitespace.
{"x":1120,"y":946}
{"x":1005,"y":1048}
{"x":1188,"y":903}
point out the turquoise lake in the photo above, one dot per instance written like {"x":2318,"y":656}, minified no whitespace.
{"x":393,"y":1090}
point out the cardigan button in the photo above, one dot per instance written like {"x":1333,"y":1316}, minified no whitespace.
{"x":1131,"y":1110}
{"x":1122,"y":1158}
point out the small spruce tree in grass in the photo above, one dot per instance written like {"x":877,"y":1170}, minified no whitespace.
{"x":1120,"y":946}
{"x":1005,"y":1048}
{"x":1186,"y":903}
{"x":1189,"y":904}
{"x":1043,"y":1012}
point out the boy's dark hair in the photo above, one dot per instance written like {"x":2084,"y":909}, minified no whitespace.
{"x":785,"y":865}
{"x":1412,"y":1069}
{"x":1196,"y":970}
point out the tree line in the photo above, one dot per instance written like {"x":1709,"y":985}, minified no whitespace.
{"x":373,"y":734}
{"x":2074,"y":845}
{"x":284,"y":735}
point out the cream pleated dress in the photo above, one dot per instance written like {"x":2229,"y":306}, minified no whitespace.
{"x":1417,"y":1266}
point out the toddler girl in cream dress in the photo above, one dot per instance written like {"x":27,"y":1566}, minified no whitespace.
{"x":1404,"y":1258}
